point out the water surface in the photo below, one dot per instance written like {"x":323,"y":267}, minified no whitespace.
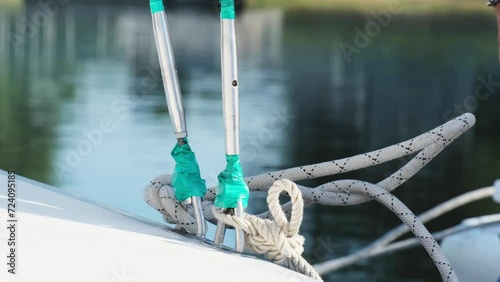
{"x":82,"y":108}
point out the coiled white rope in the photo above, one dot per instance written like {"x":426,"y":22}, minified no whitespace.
{"x":159,"y":193}
{"x":278,"y":240}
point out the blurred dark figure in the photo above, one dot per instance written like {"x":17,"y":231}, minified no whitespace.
{"x":493,"y":3}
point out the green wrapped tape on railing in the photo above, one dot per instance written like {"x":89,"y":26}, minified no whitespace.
{"x":186,"y":179}
{"x":231,"y":186}
{"x":227,"y":9}
{"x":156,"y":6}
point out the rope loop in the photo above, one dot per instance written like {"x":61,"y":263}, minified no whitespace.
{"x":278,"y":240}
{"x":276,"y":211}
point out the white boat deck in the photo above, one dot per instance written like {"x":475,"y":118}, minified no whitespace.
{"x":62,"y":238}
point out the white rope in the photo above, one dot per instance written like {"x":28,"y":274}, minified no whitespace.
{"x":278,"y":240}
{"x":159,"y":193}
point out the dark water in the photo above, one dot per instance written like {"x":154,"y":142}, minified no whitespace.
{"x":81,"y":109}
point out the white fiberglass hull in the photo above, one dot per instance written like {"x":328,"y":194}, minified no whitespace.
{"x":60,"y":238}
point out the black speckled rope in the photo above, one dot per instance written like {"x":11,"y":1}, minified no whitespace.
{"x":160,"y":195}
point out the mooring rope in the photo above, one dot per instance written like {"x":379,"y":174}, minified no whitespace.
{"x":159,"y":193}
{"x":390,"y":236}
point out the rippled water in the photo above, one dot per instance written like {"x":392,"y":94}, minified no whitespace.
{"x":82,"y":108}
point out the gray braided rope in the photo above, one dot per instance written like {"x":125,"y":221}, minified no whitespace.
{"x":159,"y":193}
{"x":380,"y":245}
{"x":407,"y":217}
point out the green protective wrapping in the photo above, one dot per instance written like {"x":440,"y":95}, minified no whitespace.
{"x":186,"y":179}
{"x":156,"y":6}
{"x":231,"y":186}
{"x":227,"y":9}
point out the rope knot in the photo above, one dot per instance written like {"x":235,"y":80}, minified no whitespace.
{"x":278,"y":240}
{"x":285,"y":241}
